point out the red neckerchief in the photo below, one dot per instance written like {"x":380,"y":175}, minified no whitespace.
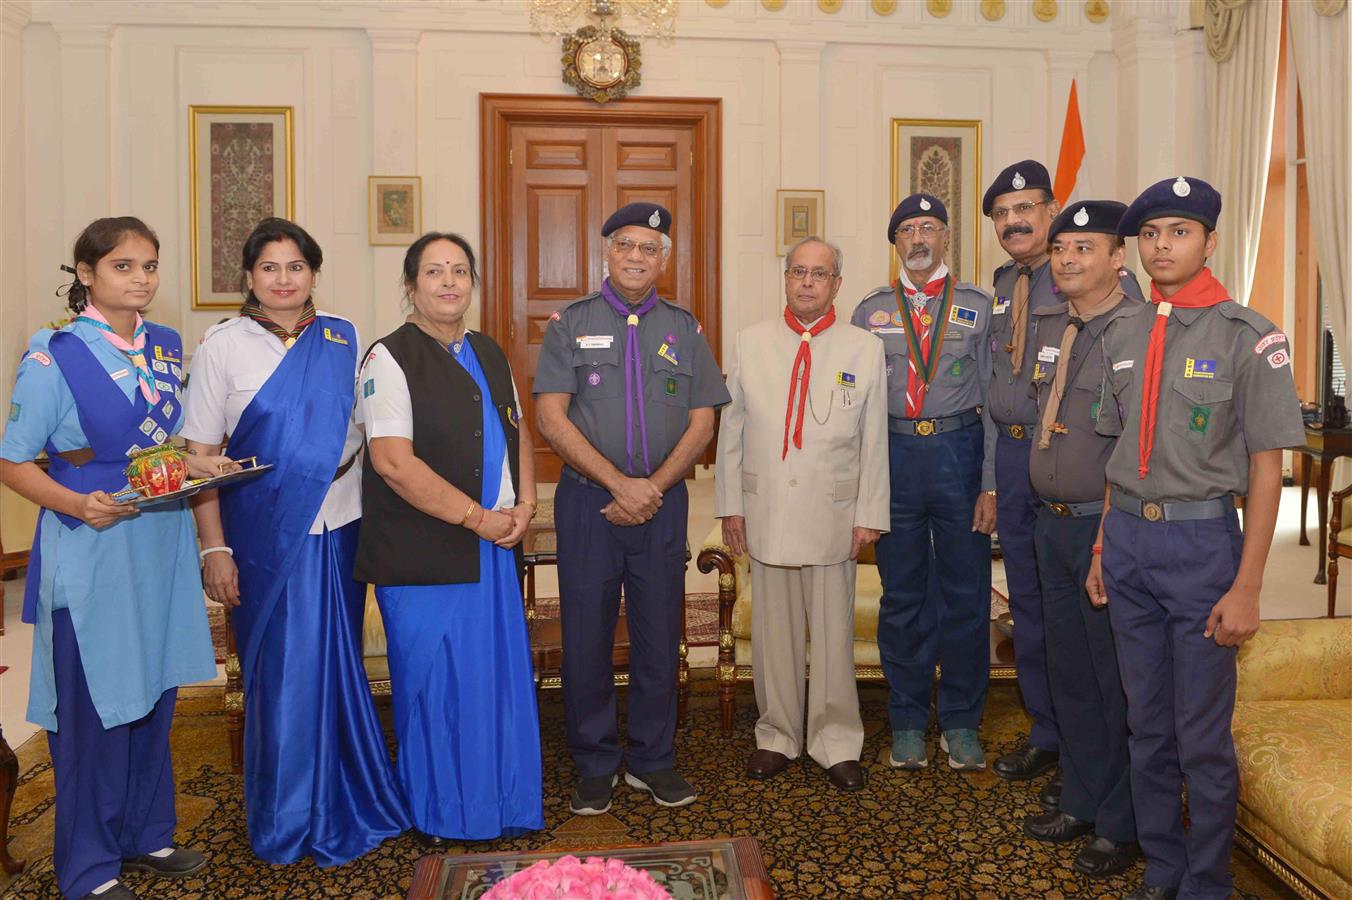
{"x":1202,"y":291}
{"x":804,"y":361}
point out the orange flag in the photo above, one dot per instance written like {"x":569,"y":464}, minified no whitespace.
{"x":1072,"y":150}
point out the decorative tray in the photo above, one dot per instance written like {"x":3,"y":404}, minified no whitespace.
{"x":131,"y":497}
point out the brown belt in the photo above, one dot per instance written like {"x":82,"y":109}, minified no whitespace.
{"x":78,"y":457}
{"x":342,"y":470}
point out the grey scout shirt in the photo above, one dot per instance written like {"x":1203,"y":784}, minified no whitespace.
{"x":964,"y":372}
{"x":1071,"y":469}
{"x":583,"y":354}
{"x":1226,"y":392}
{"x":1012,"y":400}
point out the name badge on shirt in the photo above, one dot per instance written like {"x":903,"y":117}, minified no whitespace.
{"x":1000,"y":305}
{"x":595,"y":341}
{"x":961,"y":315}
{"x":120,"y":373}
{"x":1048,"y":354}
{"x":1123,"y":364}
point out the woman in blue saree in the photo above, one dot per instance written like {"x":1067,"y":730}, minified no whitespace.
{"x":277,"y":382}
{"x":114,"y":596}
{"x":448,"y":493}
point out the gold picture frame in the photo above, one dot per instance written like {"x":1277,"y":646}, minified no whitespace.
{"x":799,"y":213}
{"x":393,"y":209}
{"x":942,"y":157}
{"x":241,"y":169}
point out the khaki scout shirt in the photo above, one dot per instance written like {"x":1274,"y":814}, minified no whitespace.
{"x":1226,"y":392}
{"x":964,"y":372}
{"x":1071,"y":469}
{"x":583,"y":355}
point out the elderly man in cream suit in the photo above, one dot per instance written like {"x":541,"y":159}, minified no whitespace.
{"x":803,"y":491}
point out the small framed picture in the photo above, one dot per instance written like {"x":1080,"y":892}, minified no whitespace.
{"x":798,"y":214}
{"x":241,"y":170}
{"x":394,"y":209}
{"x":942,"y":157}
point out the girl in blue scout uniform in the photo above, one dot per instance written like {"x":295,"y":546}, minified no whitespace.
{"x":1200,"y":391}
{"x":114,"y":596}
{"x":278,"y":382}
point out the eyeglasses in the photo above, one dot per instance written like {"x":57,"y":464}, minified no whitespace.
{"x":1000,"y":213}
{"x":624,"y":246}
{"x":819,"y":276}
{"x":928,"y":229}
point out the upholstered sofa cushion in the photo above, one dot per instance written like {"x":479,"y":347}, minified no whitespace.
{"x":1293,"y":741}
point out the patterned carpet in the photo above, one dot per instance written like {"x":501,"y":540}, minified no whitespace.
{"x":932,"y":833}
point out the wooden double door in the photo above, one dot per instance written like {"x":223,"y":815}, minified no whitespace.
{"x":554,"y":168}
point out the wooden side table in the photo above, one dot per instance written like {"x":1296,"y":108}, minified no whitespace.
{"x":1322,"y":447}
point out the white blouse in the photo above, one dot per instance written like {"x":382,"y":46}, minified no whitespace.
{"x":385,"y":406}
{"x":231,"y":364}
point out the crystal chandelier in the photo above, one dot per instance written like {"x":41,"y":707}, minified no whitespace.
{"x":655,"y":18}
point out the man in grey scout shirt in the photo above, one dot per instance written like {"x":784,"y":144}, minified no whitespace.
{"x":1020,"y":205}
{"x":935,"y":332}
{"x":625,"y":390}
{"x":1066,"y":469}
{"x":1201,"y":393}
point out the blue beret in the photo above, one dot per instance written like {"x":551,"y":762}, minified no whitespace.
{"x":1089,"y":216}
{"x":913,"y":206}
{"x":1026,"y":175}
{"x":1186,"y":198}
{"x":644,"y":215}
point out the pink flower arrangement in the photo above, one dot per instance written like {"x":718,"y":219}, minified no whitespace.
{"x":569,"y":878}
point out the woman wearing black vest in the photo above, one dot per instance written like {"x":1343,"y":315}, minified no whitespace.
{"x":448,"y":494}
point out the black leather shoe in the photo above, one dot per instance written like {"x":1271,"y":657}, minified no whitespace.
{"x":429,"y":841}
{"x":766,"y":764}
{"x":1102,"y":857}
{"x":1050,"y":795}
{"x":179,"y":864}
{"x":1057,"y":827}
{"x":118,"y":891}
{"x":847,"y":775}
{"x":1150,"y":892}
{"x":1025,"y":763}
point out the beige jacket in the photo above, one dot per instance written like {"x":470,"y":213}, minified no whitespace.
{"x":801,"y":510}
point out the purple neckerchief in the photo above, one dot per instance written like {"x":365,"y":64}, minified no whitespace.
{"x":633,"y":371}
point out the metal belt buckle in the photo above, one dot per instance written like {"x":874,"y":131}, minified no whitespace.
{"x":1060,"y":509}
{"x":925,"y":427}
{"x":1152,"y":512}
{"x":1016,"y":432}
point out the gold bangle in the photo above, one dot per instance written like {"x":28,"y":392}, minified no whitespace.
{"x":469,"y":511}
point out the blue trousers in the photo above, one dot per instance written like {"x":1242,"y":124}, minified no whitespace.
{"x":1162,"y":580}
{"x":1091,"y":710}
{"x":1015,"y":512}
{"x":935,"y":483}
{"x":114,"y":786}
{"x":596,"y":558}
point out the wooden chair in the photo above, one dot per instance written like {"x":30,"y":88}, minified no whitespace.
{"x":1340,"y":539}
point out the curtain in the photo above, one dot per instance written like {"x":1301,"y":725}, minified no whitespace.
{"x":1319,"y":46}
{"x":1241,"y":98}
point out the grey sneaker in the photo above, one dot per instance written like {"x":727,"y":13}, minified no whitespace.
{"x":963,"y":749}
{"x":666,"y":785}
{"x":908,"y":750}
{"x":179,"y":864}
{"x":591,"y":795}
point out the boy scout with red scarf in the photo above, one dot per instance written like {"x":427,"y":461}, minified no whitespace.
{"x":1200,"y":390}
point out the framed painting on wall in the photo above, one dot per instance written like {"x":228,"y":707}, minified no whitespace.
{"x":241,"y":169}
{"x":798,"y":214}
{"x":942,"y":157}
{"x":393,"y":209}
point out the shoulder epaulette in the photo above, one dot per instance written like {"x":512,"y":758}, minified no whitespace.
{"x":1255,"y":320}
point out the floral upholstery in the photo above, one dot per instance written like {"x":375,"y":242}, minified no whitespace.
{"x":1293,"y":740}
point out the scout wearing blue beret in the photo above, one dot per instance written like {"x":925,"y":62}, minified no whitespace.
{"x":935,"y":331}
{"x":1066,"y":471}
{"x":1201,"y":393}
{"x":626,"y":388}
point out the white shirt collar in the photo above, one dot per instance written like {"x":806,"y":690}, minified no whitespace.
{"x":938,"y":273}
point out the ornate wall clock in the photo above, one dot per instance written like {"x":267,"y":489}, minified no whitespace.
{"x":601,"y":65}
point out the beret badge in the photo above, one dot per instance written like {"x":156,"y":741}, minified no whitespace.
{"x":1018,"y":181}
{"x":1082,"y":217}
{"x":1181,"y":187}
